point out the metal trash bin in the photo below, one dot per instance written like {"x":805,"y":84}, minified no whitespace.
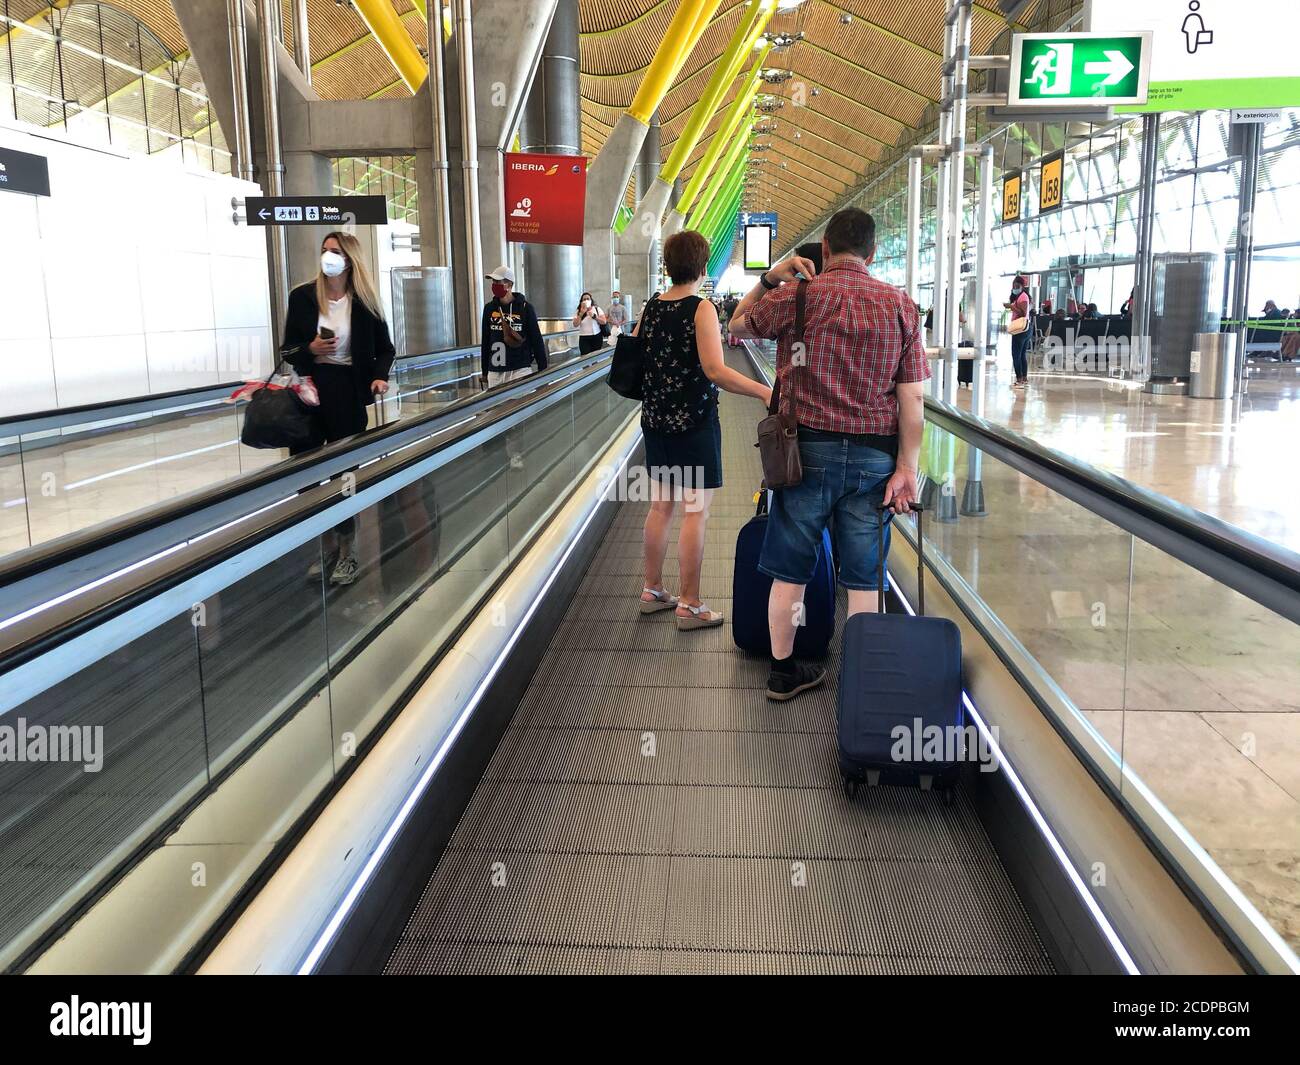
{"x":1213,"y":366}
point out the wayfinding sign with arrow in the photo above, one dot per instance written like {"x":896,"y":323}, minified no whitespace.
{"x":1069,"y":69}
{"x":316,"y":210}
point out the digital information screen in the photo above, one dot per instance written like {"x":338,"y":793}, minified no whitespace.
{"x":758,"y":247}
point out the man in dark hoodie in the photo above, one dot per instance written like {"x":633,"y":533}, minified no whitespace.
{"x":512,"y":339}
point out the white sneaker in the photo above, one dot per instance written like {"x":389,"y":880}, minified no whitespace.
{"x":345,"y":570}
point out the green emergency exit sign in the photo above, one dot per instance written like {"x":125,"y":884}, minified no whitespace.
{"x":1078,"y":69}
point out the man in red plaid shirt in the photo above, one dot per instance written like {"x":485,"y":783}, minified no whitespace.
{"x":858,"y":384}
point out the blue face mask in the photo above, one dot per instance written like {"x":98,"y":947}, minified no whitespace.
{"x":1016,"y":290}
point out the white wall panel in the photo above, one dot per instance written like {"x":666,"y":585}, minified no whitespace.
{"x":92,"y":291}
{"x":93,"y":369}
{"x":175,"y":290}
{"x":240,"y":294}
{"x":23,"y":312}
{"x":129,"y":279}
{"x":178,"y":217}
{"x":224,"y":237}
{"x":182,"y":360}
{"x":28,"y":376}
{"x":243,"y":354}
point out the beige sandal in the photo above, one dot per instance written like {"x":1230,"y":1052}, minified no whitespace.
{"x":695,"y":621}
{"x":661,"y":601}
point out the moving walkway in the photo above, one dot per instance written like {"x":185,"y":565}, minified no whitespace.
{"x":480,"y":758}
{"x":64,"y":470}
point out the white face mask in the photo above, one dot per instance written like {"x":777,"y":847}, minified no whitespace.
{"x":332,"y":264}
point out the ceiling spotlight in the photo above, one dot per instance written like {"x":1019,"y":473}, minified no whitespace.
{"x":845,"y":18}
{"x":781,"y":41}
{"x":776,"y":77}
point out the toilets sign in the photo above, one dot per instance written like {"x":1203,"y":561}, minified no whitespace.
{"x":1074,"y":69}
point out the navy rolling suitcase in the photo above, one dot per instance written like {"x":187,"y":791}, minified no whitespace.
{"x":750,"y":589}
{"x":900,"y":718}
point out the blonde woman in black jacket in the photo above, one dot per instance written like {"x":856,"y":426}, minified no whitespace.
{"x":336,"y":334}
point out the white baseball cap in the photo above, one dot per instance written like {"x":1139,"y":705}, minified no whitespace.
{"x":503,"y":273}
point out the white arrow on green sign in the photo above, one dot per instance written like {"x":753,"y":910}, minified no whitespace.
{"x":1075,"y":69}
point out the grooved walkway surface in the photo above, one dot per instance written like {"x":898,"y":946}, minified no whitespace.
{"x":649,"y":811}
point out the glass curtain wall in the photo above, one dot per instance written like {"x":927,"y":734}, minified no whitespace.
{"x":99,"y":75}
{"x":390,"y":176}
{"x":1086,"y":249}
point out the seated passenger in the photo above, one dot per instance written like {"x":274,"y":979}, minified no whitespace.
{"x":512,"y":339}
{"x":1090,"y":312}
{"x":860,"y":415}
{"x":336,"y":335}
{"x":683,"y":368}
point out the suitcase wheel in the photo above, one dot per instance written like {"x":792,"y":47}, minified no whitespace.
{"x":873,"y":778}
{"x":850,"y":788}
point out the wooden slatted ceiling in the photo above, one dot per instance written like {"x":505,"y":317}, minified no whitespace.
{"x":876,"y":76}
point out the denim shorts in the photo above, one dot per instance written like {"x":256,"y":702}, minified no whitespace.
{"x":844,"y":482}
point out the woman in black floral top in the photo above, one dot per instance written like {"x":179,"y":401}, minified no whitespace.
{"x":683,"y":370}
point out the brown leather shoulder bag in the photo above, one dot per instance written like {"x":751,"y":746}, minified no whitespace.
{"x":778,"y":433}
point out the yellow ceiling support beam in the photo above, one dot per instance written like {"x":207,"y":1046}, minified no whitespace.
{"x":751,"y":24}
{"x":723,"y":174}
{"x":688,"y":22}
{"x":381,"y":19}
{"x":722,"y":138}
{"x":702,"y":19}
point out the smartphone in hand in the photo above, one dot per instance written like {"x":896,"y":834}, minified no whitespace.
{"x":326,"y":333}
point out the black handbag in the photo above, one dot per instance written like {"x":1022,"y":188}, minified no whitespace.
{"x":778,"y":433}
{"x":276,"y":417}
{"x":626,"y":368}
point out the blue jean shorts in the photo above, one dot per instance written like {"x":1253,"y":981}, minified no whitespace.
{"x":844,"y":482}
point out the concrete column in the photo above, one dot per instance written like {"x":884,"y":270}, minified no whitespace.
{"x":1247,"y":138}
{"x":502,"y":76}
{"x":607,"y":180}
{"x":552,"y":123}
{"x":1143,"y":304}
{"x":305,"y":173}
{"x":639,"y":244}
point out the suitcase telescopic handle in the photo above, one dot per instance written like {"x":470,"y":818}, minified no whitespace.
{"x":920,"y":559}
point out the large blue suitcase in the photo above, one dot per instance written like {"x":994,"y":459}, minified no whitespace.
{"x":900,"y":718}
{"x":750,"y":589}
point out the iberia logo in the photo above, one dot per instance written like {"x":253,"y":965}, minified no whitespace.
{"x":548,"y":171}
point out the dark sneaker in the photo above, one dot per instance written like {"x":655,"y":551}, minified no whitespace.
{"x":345,"y":570}
{"x":783,"y":686}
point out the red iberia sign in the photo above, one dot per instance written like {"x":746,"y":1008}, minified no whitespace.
{"x":545,"y":197}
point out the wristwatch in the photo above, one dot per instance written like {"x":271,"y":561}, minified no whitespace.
{"x":769,"y":285}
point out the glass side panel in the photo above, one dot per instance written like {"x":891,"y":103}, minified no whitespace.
{"x":213,"y":734}
{"x":1193,"y":689}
